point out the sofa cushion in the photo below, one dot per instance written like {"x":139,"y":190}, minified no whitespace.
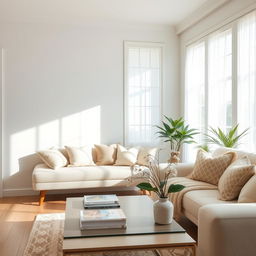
{"x":222,"y":150}
{"x":106,"y":155}
{"x":143,"y":154}
{"x":80,"y":156}
{"x":193,"y":200}
{"x":42,"y":174}
{"x":126,"y":156}
{"x":234,"y":178}
{"x":53,"y":158}
{"x":248,"y":192}
{"x":209,"y":169}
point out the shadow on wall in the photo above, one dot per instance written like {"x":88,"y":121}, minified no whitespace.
{"x":78,"y":129}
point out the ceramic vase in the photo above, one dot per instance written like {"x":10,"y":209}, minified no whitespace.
{"x":163,"y":211}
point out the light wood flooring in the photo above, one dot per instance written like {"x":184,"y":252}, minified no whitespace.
{"x":17,"y":215}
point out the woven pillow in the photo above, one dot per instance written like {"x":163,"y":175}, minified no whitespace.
{"x":248,"y":192}
{"x":80,"y":156}
{"x":143,"y":154}
{"x":105,"y":155}
{"x":209,"y":169}
{"x":126,"y":156}
{"x":234,"y":178}
{"x":53,"y":158}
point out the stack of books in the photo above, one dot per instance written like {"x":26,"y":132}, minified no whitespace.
{"x":102,"y":219}
{"x":101,"y":201}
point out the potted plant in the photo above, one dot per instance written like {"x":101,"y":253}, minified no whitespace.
{"x":177,"y":133}
{"x":155,"y":179}
{"x":229,"y":139}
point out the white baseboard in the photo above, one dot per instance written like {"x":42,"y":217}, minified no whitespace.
{"x":31,"y":192}
{"x":19,"y":192}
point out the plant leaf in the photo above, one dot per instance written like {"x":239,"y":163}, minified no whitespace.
{"x":146,"y":186}
{"x":175,"y":188}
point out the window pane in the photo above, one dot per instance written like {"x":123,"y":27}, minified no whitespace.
{"x":247,"y":79}
{"x":220,"y":80}
{"x":195,"y":93}
{"x":143,"y":84}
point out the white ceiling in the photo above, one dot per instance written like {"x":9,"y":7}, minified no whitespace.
{"x":161,"y":12}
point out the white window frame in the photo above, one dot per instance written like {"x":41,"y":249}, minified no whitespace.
{"x":140,"y":44}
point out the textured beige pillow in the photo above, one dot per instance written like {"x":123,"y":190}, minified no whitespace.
{"x":248,"y":192}
{"x":143,"y":154}
{"x":80,"y":156}
{"x":234,"y":178}
{"x":53,"y":158}
{"x":126,"y":156}
{"x":209,"y":169}
{"x":105,"y":155}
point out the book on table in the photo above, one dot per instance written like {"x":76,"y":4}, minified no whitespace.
{"x":102,"y":218}
{"x":101,"y":201}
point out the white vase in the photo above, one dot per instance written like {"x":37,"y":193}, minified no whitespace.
{"x":163,"y":211}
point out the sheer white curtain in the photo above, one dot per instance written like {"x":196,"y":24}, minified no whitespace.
{"x":220,"y":80}
{"x":195,"y":94}
{"x":143,"y":68}
{"x":246,"y":108}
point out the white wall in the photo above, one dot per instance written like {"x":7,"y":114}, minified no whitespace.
{"x":1,"y":116}
{"x":64,"y":85}
{"x":220,"y":17}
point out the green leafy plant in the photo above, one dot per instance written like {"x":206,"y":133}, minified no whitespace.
{"x":205,"y":147}
{"x":155,"y":178}
{"x":229,"y":139}
{"x":176,"y":133}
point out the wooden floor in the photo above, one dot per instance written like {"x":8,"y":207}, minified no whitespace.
{"x":17,"y":215}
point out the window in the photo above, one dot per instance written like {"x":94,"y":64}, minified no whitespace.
{"x":220,"y":80}
{"x":195,"y":92}
{"x":246,"y":80}
{"x":223,"y":92}
{"x":143,"y":83}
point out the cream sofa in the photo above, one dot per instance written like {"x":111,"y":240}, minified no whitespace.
{"x":225,"y":228}
{"x":44,"y":178}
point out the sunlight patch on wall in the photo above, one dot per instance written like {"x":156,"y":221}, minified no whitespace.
{"x":48,"y":135}
{"x":81,"y":128}
{"x":21,"y":144}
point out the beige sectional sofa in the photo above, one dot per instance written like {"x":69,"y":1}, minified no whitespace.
{"x":225,"y":228}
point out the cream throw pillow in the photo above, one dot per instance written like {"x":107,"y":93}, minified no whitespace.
{"x":209,"y":169}
{"x":234,"y":178}
{"x":126,"y":156}
{"x":248,"y":192}
{"x":63,"y":151}
{"x":53,"y":158}
{"x":105,"y":155}
{"x":80,"y":156}
{"x":143,"y":154}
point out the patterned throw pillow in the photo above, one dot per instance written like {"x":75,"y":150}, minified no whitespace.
{"x":234,"y":178}
{"x":209,"y":169}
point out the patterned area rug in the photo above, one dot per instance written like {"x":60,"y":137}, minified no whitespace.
{"x":47,"y":235}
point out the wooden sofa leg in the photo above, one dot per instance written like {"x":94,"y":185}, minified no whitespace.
{"x":42,"y":196}
{"x":145,"y":192}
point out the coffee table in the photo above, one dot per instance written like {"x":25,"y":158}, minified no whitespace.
{"x":141,"y":231}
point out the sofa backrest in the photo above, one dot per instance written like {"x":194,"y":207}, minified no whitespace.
{"x":240,"y":153}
